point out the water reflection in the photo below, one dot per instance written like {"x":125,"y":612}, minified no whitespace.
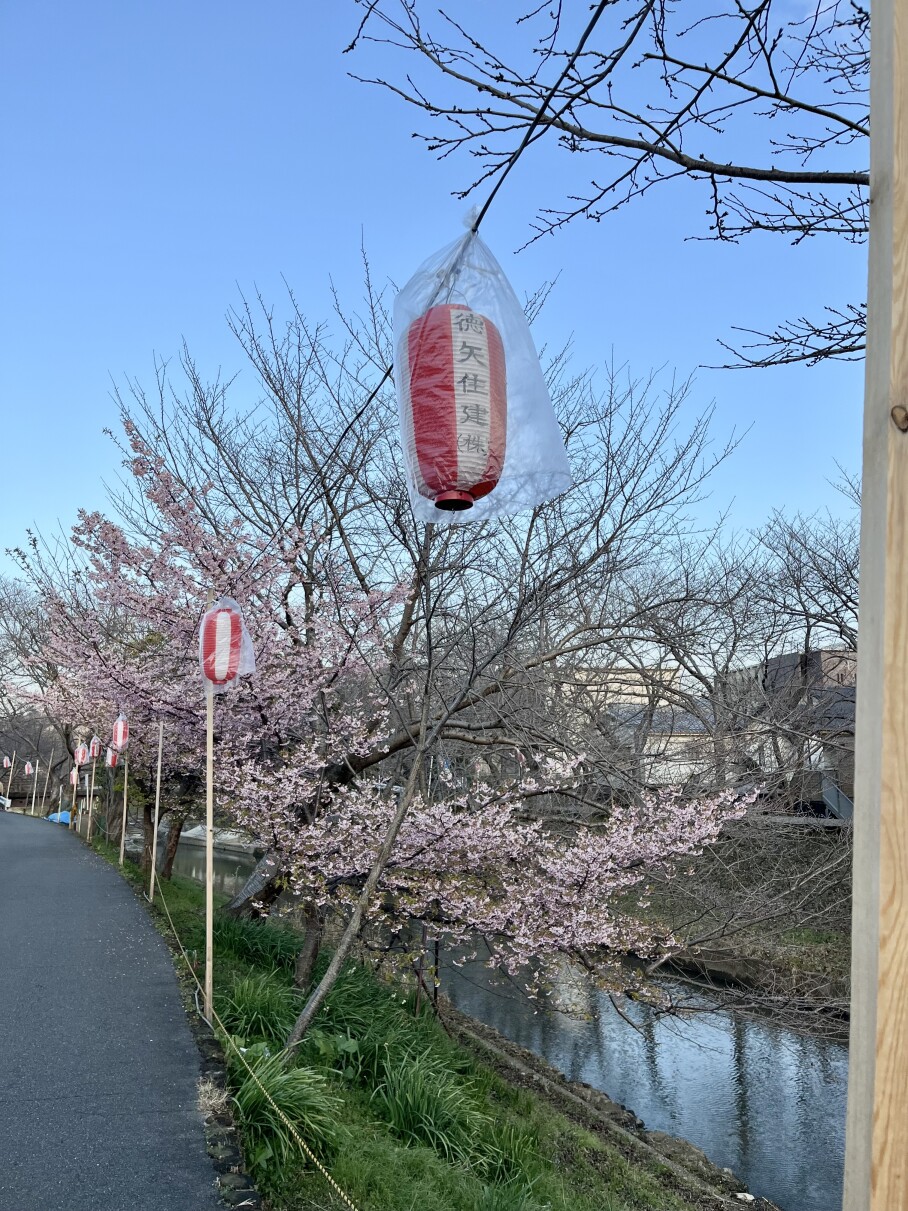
{"x":761,"y":1100}
{"x":230,"y":870}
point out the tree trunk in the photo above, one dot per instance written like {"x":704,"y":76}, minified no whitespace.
{"x":148,"y":836}
{"x":173,"y":840}
{"x":262,"y":888}
{"x":317,"y":997}
{"x":314,"y":922}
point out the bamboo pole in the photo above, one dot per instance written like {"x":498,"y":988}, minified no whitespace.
{"x":9,"y":781}
{"x":876,"y":1151}
{"x":72,"y":810}
{"x":35,"y":786}
{"x":44,"y":792}
{"x":91,"y":797}
{"x":125,"y":790}
{"x":209,"y":851}
{"x":157,"y":813}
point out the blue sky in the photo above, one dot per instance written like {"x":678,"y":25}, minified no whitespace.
{"x":158,"y":158}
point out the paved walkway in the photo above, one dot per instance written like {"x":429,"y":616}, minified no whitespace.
{"x":98,"y":1068}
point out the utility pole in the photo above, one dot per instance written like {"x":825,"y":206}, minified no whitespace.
{"x":876,"y":1160}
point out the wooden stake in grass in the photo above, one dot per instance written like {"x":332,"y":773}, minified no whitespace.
{"x":125,"y":791}
{"x":209,"y":852}
{"x":157,"y":813}
{"x":94,"y":751}
{"x":225,"y":653}
{"x":44,"y":792}
{"x":9,"y":781}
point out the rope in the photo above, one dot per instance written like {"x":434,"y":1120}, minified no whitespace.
{"x":304,"y":1147}
{"x":512,"y":160}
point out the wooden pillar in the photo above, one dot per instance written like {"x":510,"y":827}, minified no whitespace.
{"x":876,"y":1163}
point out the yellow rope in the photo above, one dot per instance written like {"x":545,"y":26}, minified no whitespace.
{"x":304,"y":1147}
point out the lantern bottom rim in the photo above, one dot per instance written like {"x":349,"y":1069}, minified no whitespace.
{"x":453,"y":501}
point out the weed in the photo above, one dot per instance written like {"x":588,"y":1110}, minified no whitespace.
{"x":258,"y":942}
{"x":212,"y":1098}
{"x":300,"y":1094}
{"x":260,"y":1007}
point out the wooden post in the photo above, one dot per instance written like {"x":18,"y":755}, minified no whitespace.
{"x":35,"y":786}
{"x":157,"y":813}
{"x":125,"y":790}
{"x":209,"y":851}
{"x":9,"y":781}
{"x":91,"y":797}
{"x":876,"y":1152}
{"x":72,"y":810}
{"x":44,"y":792}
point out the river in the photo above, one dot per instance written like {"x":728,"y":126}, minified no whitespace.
{"x":764,"y":1101}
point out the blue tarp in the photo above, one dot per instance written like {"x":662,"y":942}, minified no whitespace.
{"x":59,"y":817}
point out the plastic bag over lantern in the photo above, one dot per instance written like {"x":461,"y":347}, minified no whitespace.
{"x":6,"y":763}
{"x":478,"y":429}
{"x":80,"y":756}
{"x":112,"y":755}
{"x":94,"y":748}
{"x":225,"y":648}
{"x":73,"y":777}
{"x":29,"y":768}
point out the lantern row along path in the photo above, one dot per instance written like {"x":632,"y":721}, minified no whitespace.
{"x":98,"y":1098}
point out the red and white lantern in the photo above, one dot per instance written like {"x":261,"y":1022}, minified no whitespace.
{"x":94,"y":748}
{"x":80,"y":756}
{"x":6,"y":763}
{"x":73,"y":777}
{"x":225,"y":649}
{"x":29,"y":768}
{"x":453,"y":391}
{"x":112,"y":756}
{"x":121,"y":733}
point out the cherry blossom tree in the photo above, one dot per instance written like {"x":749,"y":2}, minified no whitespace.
{"x":388,"y":655}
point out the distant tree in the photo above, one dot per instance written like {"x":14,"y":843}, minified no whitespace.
{"x":760,"y":104}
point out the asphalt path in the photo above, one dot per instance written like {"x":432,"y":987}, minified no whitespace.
{"x":98,"y":1068}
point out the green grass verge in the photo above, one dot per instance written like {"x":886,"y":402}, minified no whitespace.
{"x":403,"y":1117}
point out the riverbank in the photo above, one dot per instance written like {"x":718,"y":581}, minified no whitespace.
{"x":415,"y":1112}
{"x":763,"y":918}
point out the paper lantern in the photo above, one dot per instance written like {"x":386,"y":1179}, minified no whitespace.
{"x":80,"y":756}
{"x":29,"y":768}
{"x":120,"y":733}
{"x":225,"y":649}
{"x":453,"y":386}
{"x":112,"y":756}
{"x":94,"y":748}
{"x":6,"y":762}
{"x":73,"y":777}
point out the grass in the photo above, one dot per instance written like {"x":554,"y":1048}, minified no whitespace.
{"x":403,"y":1117}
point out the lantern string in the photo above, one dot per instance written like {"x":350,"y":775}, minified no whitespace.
{"x":451,"y":275}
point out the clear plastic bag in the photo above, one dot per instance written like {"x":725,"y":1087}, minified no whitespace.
{"x":478,"y":430}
